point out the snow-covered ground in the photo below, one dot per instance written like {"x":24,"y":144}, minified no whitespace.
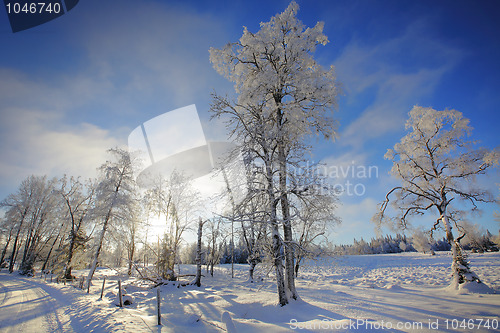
{"x":392,"y":292}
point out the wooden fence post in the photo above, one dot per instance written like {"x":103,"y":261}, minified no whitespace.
{"x":103,"y":283}
{"x":158,"y":303}
{"x":120,"y":300}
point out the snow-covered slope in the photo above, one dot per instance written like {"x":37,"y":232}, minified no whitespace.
{"x":397,"y":292}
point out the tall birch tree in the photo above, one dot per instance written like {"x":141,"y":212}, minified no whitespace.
{"x":284,"y":97}
{"x":19,"y":205}
{"x":437,"y":166}
{"x":114,"y":197}
{"x":78,"y":201}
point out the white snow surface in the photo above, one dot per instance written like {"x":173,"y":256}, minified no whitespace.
{"x":406,"y":292}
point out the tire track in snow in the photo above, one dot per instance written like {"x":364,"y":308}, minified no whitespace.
{"x":26,"y":307}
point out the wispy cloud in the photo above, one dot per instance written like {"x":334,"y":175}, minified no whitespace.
{"x":382,"y":81}
{"x":128,"y":66}
{"x":36,"y":135}
{"x":159,"y":53}
{"x":368,"y":69}
{"x":355,"y":220}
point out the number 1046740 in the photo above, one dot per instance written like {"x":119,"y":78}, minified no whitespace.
{"x":33,"y":8}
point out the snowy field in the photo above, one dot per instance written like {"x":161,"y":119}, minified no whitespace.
{"x":392,"y":292}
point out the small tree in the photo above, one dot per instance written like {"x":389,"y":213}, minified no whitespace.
{"x":436,"y":166}
{"x":313,"y":205}
{"x":216,"y":238}
{"x":421,"y":242}
{"x":174,"y":200}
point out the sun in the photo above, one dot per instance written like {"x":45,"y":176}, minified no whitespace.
{"x":154,"y":228}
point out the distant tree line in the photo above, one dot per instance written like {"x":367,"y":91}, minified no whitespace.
{"x":418,"y":242}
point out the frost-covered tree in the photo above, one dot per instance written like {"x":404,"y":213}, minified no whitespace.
{"x":174,"y":200}
{"x":114,"y":197}
{"x":249,"y":218}
{"x":18,"y":206}
{"x":254,"y":230}
{"x":7,"y":231}
{"x":78,"y":200}
{"x":476,"y":238}
{"x":421,"y":241}
{"x":40,"y":224}
{"x":437,"y":166}
{"x":314,"y":213}
{"x":32,"y":210}
{"x":126,"y":233}
{"x":215,"y":238}
{"x":284,"y":97}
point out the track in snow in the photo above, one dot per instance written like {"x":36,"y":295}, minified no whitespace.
{"x":26,"y":307}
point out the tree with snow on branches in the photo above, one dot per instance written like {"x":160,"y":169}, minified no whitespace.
{"x":437,"y":166}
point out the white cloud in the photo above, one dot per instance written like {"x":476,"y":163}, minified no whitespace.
{"x":128,"y":66}
{"x":398,"y":85}
{"x":159,"y":52}
{"x":389,"y":111}
{"x":356,"y":221}
{"x":37,"y":138}
{"x":346,"y":160}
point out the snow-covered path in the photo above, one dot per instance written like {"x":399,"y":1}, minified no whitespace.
{"x":35,"y":306}
{"x":26,"y":307}
{"x":404,"y":292}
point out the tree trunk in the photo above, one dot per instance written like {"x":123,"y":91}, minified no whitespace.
{"x":48,"y":255}
{"x":4,"y":251}
{"x":27,"y":245}
{"x":197,"y":280}
{"x":289,"y":254}
{"x":107,"y":219}
{"x":98,"y":251}
{"x":174,"y":251}
{"x":67,"y":271}
{"x":251,"y":270}
{"x":14,"y":247}
{"x":287,"y":225}
{"x":26,"y":267}
{"x":131,"y":259}
{"x":276,"y":240}
{"x":131,"y":249}
{"x":285,"y":206}
{"x":461,"y":271}
{"x":278,"y":266}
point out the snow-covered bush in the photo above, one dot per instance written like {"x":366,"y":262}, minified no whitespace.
{"x":421,"y":242}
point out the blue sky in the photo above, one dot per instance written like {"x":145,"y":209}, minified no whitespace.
{"x":73,"y":87}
